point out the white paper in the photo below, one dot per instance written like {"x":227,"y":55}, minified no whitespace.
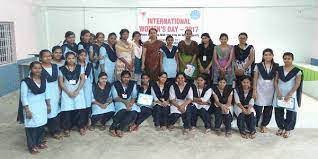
{"x":72,"y":82}
{"x":144,"y":99}
{"x":189,"y":70}
{"x":290,"y":104}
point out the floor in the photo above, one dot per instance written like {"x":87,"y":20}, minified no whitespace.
{"x":149,"y":143}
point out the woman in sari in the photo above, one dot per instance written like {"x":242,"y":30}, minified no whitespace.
{"x":125,"y":54}
{"x":152,"y":57}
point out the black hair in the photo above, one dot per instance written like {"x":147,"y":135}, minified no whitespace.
{"x":270,"y":51}
{"x":162,"y":73}
{"x":101,"y":74}
{"x":67,"y":34}
{"x":83,"y":32}
{"x":99,"y":34}
{"x":152,"y":29}
{"x":243,"y":33}
{"x":246,"y":77}
{"x":111,"y":34}
{"x":145,"y":74}
{"x":122,"y":31}
{"x":221,"y":79}
{"x":81,"y":51}
{"x":289,"y":54}
{"x":137,"y":33}
{"x":42,"y":52}
{"x":55,"y":48}
{"x":181,"y":73}
{"x":208,"y":36}
{"x":187,"y":30}
{"x":32,"y":64}
{"x":169,"y":36}
{"x":224,"y":35}
{"x":125,"y":72}
{"x":201,"y":76}
{"x":68,"y":54}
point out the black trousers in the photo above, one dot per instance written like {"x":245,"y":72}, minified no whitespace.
{"x":265,"y":113}
{"x":123,"y":119}
{"x":143,"y":115}
{"x":103,"y":118}
{"x":203,"y":114}
{"x":287,"y":123}
{"x":186,"y":118}
{"x":220,"y":118}
{"x":35,"y":136}
{"x":160,"y":115}
{"x":248,"y":120}
{"x":54,"y":125}
{"x":74,"y":118}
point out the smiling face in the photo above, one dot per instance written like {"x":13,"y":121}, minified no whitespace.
{"x":242,"y":39}
{"x":145,"y":79}
{"x":102,"y":80}
{"x":125,"y":79}
{"x":70,"y":39}
{"x":200,"y":82}
{"x":223,"y":40}
{"x":188,"y":34}
{"x":125,"y":36}
{"x":100,"y":38}
{"x":46,"y":57}
{"x":82,"y":56}
{"x":162,"y":78}
{"x":169,"y":41}
{"x":57,"y":54}
{"x":180,"y":79}
{"x":205,"y":40}
{"x":222,"y":84}
{"x":246,"y":84}
{"x":153,"y":34}
{"x":36,"y":70}
{"x":137,"y":37}
{"x":86,"y":38}
{"x":268,"y":56}
{"x":112,"y":40}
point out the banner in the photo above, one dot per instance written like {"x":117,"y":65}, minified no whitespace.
{"x":170,"y":21}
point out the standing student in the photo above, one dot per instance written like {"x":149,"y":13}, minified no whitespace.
{"x":124,"y":93}
{"x":244,"y":57}
{"x":244,"y":109}
{"x":50,"y":73}
{"x":201,"y":103}
{"x":170,"y":59}
{"x":152,"y":57}
{"x":87,"y":68}
{"x":86,"y":44}
{"x":69,"y":44}
{"x":35,"y":104}
{"x":181,"y":96}
{"x":71,"y":81}
{"x":205,"y":56}
{"x":223,"y":65}
{"x":145,"y":110}
{"x":109,"y":57}
{"x":96,"y":56}
{"x":288,"y":84}
{"x":57,"y":56}
{"x":263,"y":86}
{"x":138,"y":55}
{"x":223,"y":96}
{"x":187,"y":52}
{"x":103,"y":108}
{"x":161,"y":110}
{"x":125,"y":54}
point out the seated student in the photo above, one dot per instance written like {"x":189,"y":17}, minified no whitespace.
{"x":124,"y":93}
{"x":146,"y":110}
{"x":223,"y":96}
{"x":71,"y":81}
{"x":288,"y":84}
{"x":263,"y":87}
{"x":181,"y":96}
{"x":103,"y":107}
{"x":244,"y":110}
{"x":87,"y":68}
{"x":34,"y":107}
{"x":50,"y":73}
{"x":161,"y":110}
{"x":201,"y":103}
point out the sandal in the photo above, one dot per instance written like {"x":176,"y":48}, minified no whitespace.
{"x":34,"y":151}
{"x":263,"y":129}
{"x":82,"y":131}
{"x":132,"y":128}
{"x":112,"y":133}
{"x":57,"y":136}
{"x":206,"y":131}
{"x":67,"y":133}
{"x":244,"y":135}
{"x":253,"y":135}
{"x":119,"y":133}
{"x":286,"y":134}
{"x":42,"y":146}
{"x":279,"y":132}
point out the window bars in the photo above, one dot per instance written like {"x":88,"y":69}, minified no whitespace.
{"x":7,"y":43}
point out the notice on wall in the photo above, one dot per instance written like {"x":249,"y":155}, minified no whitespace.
{"x":170,"y":21}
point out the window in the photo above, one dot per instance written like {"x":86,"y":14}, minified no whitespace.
{"x":7,"y":43}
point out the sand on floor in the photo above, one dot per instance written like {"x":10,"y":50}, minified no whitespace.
{"x":148,"y":143}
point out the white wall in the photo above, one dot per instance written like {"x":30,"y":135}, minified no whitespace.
{"x":21,"y":13}
{"x":283,"y":25}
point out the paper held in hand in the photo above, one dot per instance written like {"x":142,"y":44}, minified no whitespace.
{"x":144,"y":99}
{"x":189,"y":70}
{"x":290,"y":104}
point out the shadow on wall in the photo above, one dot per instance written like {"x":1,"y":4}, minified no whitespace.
{"x":10,"y":75}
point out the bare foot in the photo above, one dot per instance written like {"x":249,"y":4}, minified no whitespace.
{"x":253,"y":135}
{"x":286,"y":134}
{"x":113,"y":133}
{"x":82,"y":131}
{"x":119,"y":133}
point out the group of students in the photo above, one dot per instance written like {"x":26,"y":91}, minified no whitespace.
{"x":95,"y":81}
